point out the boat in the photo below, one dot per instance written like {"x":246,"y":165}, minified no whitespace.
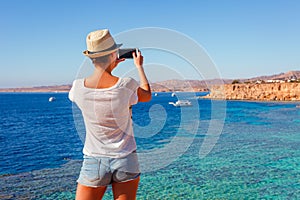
{"x":181,"y":103}
{"x":155,"y":94}
{"x":51,"y":99}
{"x":173,"y":94}
{"x":298,"y":106}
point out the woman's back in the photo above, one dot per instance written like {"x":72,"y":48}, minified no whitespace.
{"x":107,"y":117}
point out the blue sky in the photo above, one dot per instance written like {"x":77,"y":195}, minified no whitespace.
{"x":42,"y":41}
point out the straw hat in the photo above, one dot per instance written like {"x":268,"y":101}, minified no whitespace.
{"x":100,"y":43}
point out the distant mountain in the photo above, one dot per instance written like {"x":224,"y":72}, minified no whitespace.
{"x":186,"y":85}
{"x":203,"y":85}
{"x":172,"y":85}
{"x":55,"y":88}
{"x":282,"y":76}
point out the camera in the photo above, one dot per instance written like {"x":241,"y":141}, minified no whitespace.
{"x":127,"y":53}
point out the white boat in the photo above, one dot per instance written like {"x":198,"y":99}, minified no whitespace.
{"x":51,"y":99}
{"x":181,"y":103}
{"x":155,"y":94}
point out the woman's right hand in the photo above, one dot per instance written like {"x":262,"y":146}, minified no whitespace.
{"x":144,"y":91}
{"x":138,"y":59}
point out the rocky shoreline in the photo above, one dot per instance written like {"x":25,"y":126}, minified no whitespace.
{"x":242,"y":91}
{"x":256,"y":92}
{"x":279,"y":87}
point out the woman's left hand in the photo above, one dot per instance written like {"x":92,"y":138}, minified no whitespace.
{"x":119,"y":60}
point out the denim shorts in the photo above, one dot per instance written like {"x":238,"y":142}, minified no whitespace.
{"x":103,"y":171}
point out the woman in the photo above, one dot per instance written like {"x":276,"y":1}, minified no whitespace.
{"x":105,"y":100}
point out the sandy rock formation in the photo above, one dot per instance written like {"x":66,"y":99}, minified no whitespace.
{"x":258,"y":92}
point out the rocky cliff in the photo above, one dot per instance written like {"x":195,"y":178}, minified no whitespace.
{"x":258,"y":92}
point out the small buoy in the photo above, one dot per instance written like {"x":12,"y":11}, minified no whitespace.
{"x":155,"y":94}
{"x":51,"y":99}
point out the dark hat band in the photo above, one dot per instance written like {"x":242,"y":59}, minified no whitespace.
{"x":115,"y":46}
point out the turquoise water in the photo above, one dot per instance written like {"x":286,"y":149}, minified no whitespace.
{"x":257,"y":155}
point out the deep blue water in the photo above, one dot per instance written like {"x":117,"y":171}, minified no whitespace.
{"x":256,"y":155}
{"x":35,"y":133}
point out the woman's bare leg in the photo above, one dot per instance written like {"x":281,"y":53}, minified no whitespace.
{"x":89,"y":193}
{"x":126,"y":190}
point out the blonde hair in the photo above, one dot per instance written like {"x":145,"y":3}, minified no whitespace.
{"x":102,"y":59}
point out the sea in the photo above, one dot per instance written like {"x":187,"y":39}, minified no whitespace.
{"x":213,"y":149}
